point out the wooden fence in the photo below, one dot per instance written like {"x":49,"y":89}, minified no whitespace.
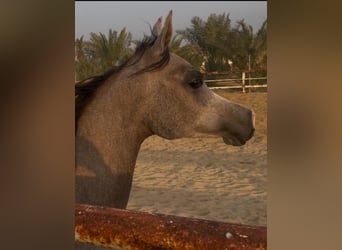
{"x":244,"y":82}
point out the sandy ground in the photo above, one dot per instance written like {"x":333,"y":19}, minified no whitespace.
{"x":203,"y":177}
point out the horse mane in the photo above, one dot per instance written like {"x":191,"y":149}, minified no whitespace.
{"x":85,"y":89}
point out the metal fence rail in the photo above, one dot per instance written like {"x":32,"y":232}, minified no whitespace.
{"x":123,"y":229}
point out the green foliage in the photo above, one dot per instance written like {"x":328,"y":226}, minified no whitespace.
{"x":211,"y":38}
{"x":190,"y":52}
{"x":248,"y":44}
{"x":219,"y":42}
{"x":101,"y":52}
{"x":213,"y":41}
{"x":261,"y":45}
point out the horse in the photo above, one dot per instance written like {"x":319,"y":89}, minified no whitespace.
{"x":154,"y":92}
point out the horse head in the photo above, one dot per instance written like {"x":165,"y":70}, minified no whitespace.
{"x":177,"y":102}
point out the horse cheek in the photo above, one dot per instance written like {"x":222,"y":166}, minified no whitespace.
{"x":169,"y":118}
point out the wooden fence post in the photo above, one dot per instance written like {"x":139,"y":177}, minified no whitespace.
{"x":243,"y":82}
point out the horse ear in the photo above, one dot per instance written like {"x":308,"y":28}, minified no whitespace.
{"x":164,"y":38}
{"x":167,"y":34}
{"x":157,"y":27}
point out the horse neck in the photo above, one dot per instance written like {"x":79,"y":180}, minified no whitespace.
{"x":110,"y":132}
{"x":112,"y":122}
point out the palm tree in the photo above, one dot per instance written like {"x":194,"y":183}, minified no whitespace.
{"x":110,"y":51}
{"x":221,"y":44}
{"x":212,"y":37}
{"x":79,"y":49}
{"x":261,"y":45}
{"x":243,"y":44}
{"x":247,"y":45}
{"x":83,"y":64}
{"x":190,"y":52}
{"x":101,"y":52}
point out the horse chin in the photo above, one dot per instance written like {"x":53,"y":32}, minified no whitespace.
{"x":234,"y":141}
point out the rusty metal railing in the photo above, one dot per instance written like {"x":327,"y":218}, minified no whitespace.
{"x":116,"y":228}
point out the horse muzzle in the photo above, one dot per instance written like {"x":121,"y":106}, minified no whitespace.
{"x":239,"y":139}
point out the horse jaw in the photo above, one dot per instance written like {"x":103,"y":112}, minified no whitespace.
{"x":231,"y":121}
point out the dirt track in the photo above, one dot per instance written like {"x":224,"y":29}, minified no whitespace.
{"x":202,"y":177}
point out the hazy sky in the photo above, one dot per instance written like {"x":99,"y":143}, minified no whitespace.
{"x":135,"y":16}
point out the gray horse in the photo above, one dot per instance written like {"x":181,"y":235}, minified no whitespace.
{"x":154,"y":93}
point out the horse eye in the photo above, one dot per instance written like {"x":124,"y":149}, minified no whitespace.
{"x":196,"y":83}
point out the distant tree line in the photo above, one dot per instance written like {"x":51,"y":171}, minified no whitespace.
{"x":211,"y":45}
